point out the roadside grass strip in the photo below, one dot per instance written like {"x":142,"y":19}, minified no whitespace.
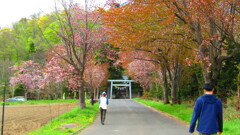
{"x":231,"y":124}
{"x":36,"y":102}
{"x":69,"y":123}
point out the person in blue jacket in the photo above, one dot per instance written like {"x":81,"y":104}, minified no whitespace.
{"x":103,"y":106}
{"x":208,"y":112}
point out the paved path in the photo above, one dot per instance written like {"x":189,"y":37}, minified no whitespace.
{"x":128,"y":117}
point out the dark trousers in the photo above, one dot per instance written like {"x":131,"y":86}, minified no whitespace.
{"x":103,"y":115}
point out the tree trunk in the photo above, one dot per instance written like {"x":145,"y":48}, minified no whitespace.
{"x":174,"y":83}
{"x":38,"y":95}
{"x":238,"y":92}
{"x":206,"y":75}
{"x":92,"y":98}
{"x":238,"y":98}
{"x":179,"y":84}
{"x":97,"y":93}
{"x":26,"y":95}
{"x":94,"y":93}
{"x":174,"y":91}
{"x":177,"y":69}
{"x":12,"y":89}
{"x":165,"y":87}
{"x":203,"y":51}
{"x":61,"y":92}
{"x":179,"y":96}
{"x":81,"y":103}
{"x":81,"y":95}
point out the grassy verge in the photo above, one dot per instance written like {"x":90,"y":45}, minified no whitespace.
{"x":184,"y":113}
{"x":80,"y":118}
{"x":35,"y":102}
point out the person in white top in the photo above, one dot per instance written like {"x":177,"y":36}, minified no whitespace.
{"x":103,"y":106}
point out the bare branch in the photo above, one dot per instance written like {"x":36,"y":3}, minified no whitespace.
{"x":155,"y":61}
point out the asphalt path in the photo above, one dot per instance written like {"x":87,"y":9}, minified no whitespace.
{"x":128,"y":117}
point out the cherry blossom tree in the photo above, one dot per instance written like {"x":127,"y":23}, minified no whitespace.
{"x":139,"y":66}
{"x":58,"y":70}
{"x":30,"y":75}
{"x":96,"y":77}
{"x":80,"y":33}
{"x":141,"y":72}
{"x":215,"y":25}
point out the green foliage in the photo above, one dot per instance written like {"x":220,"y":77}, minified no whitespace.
{"x":5,"y":72}
{"x":155,"y":93}
{"x":192,"y":86}
{"x":31,"y":48}
{"x":136,"y":88}
{"x":115,"y":73}
{"x":49,"y":32}
{"x":28,"y":36}
{"x":79,"y":117}
{"x":227,"y":82}
{"x":7,"y":44}
{"x":231,"y":118}
{"x":35,"y":102}
{"x":19,"y":91}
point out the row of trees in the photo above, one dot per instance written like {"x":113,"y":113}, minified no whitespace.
{"x":169,"y":46}
{"x":175,"y":36}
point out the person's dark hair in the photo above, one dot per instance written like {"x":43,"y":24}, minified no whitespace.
{"x":208,"y":86}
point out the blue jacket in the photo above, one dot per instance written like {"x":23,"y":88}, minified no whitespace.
{"x":208,"y":112}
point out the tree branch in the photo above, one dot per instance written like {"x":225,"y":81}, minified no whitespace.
{"x":155,"y":61}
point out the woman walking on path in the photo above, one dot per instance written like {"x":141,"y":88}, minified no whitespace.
{"x":103,"y":106}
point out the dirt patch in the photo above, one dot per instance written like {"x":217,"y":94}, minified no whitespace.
{"x":23,"y":119}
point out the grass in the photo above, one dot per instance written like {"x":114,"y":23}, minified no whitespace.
{"x":231,"y":125}
{"x":35,"y":102}
{"x":81,"y":118}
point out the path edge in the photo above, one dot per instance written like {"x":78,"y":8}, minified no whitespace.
{"x":166,"y":114}
{"x":86,"y":128}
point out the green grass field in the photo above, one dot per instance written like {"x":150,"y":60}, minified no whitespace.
{"x":35,"y":102}
{"x":80,"y":118}
{"x":231,"y":124}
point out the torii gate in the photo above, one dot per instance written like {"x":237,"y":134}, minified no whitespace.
{"x":128,"y":83}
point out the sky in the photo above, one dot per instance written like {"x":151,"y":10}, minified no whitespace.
{"x":12,"y":11}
